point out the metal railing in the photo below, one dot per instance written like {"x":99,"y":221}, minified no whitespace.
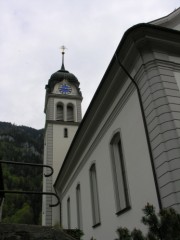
{"x":31,"y":192}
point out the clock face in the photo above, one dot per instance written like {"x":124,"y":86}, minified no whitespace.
{"x":65,"y":89}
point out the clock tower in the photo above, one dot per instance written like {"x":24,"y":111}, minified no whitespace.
{"x":63,"y":116}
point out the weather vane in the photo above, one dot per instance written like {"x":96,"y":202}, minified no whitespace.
{"x":63,"y":48}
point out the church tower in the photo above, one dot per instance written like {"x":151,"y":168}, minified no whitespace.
{"x":63,"y":116}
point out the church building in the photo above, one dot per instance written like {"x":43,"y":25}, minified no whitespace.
{"x":125,"y":152}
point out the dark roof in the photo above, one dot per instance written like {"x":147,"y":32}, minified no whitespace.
{"x":59,"y":76}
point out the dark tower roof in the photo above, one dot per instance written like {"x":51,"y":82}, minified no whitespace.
{"x":61,"y":75}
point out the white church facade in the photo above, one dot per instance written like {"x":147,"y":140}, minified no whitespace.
{"x":126,"y":150}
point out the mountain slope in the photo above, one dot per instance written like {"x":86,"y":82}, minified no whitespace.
{"x":21,"y":144}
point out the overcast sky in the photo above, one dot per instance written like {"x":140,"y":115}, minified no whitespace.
{"x":32,"y":31}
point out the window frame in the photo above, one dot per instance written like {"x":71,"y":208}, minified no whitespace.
{"x":71,"y":107}
{"x":79,"y":207}
{"x":59,"y":104}
{"x":65,"y":132}
{"x":122,"y":199}
{"x":69,"y":213}
{"x":96,"y":218}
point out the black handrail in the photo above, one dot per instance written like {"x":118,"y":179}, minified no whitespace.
{"x":36,"y":193}
{"x":31,"y":164}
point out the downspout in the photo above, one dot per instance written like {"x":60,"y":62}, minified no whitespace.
{"x":145,"y":128}
{"x":60,"y":213}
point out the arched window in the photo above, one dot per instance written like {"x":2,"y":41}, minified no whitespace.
{"x":119,"y":174}
{"x":79,"y":207}
{"x":59,"y":112}
{"x":94,"y":196}
{"x":70,"y":113}
{"x":65,"y":133}
{"x":68,"y":213}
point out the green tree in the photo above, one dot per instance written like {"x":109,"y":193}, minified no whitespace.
{"x":162,"y":226}
{"x":23,"y":215}
{"x":21,"y":144}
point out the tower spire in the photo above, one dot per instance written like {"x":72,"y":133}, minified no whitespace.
{"x":63,"y":52}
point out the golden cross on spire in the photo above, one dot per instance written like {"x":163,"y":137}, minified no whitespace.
{"x":63,"y":49}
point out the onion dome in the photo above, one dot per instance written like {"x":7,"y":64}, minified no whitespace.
{"x":61,"y":75}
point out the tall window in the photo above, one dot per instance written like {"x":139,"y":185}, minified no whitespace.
{"x":121,"y":193}
{"x":68,"y":213}
{"x":94,"y":196}
{"x":79,"y":207}
{"x":59,"y":112}
{"x":65,"y":132}
{"x":70,"y":113}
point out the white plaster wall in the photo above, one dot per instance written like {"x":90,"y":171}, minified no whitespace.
{"x":60,"y":148}
{"x":177,"y":27}
{"x":174,"y":59}
{"x":172,"y":22}
{"x":61,"y":145}
{"x":139,"y":175}
{"x":55,"y":213}
{"x":177,"y":77}
{"x":44,"y":183}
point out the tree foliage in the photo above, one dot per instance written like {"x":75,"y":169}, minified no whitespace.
{"x":162,"y":226}
{"x":21,"y":144}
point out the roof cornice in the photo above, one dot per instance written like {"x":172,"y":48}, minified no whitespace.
{"x":166,"y":18}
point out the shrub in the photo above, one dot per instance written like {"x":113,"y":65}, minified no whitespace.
{"x":162,"y":226}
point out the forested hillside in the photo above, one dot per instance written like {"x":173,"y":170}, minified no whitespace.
{"x":21,"y":144}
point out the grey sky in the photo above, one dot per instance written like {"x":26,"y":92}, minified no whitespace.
{"x":31,"y":33}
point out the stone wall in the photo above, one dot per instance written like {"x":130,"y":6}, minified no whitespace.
{"x":31,"y":232}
